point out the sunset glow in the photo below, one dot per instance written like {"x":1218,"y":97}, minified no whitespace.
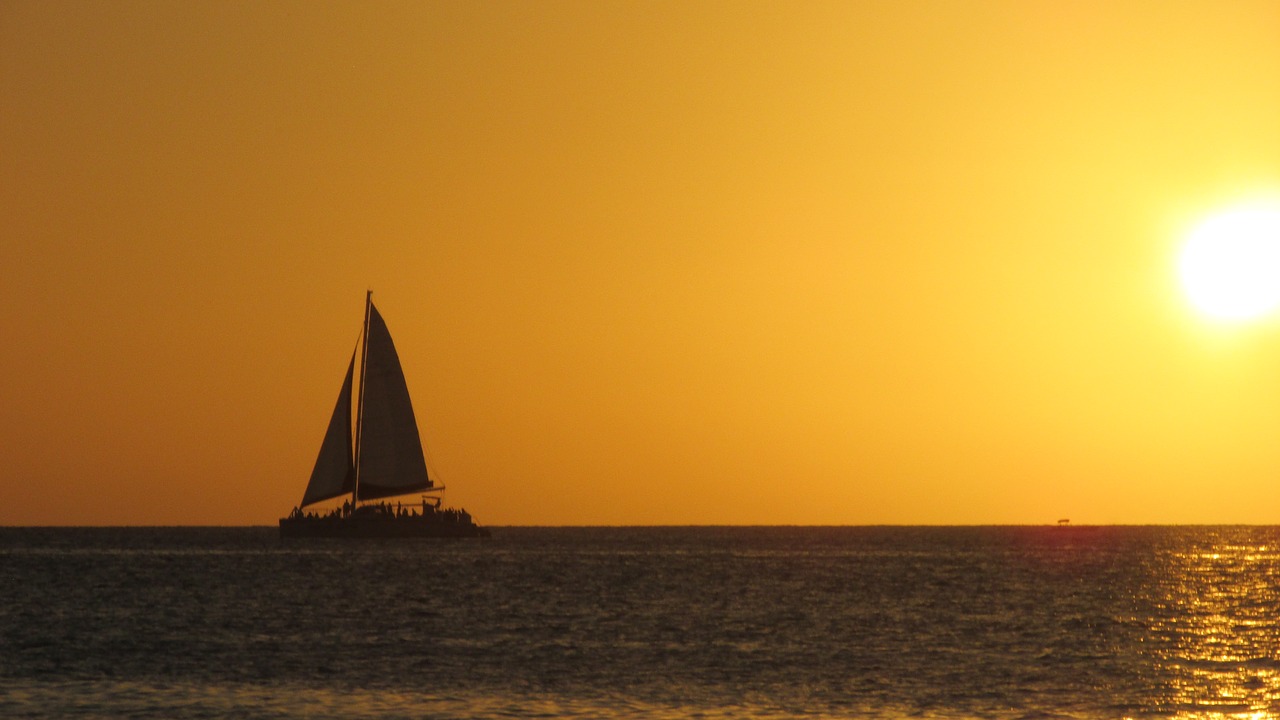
{"x":919,"y":262}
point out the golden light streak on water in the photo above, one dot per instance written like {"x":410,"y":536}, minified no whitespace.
{"x":1215,"y":633}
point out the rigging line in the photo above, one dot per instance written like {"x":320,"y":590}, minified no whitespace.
{"x":432,"y":473}
{"x":364,"y":367}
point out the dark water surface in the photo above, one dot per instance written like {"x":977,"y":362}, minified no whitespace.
{"x":643,"y":622}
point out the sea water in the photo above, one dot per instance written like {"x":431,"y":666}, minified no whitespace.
{"x":865,"y":622}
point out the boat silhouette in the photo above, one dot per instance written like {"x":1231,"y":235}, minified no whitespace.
{"x":382,"y":460}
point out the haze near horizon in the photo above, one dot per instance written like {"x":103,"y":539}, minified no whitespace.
{"x":644,"y":263}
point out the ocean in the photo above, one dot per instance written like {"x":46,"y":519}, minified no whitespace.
{"x":701,"y":622}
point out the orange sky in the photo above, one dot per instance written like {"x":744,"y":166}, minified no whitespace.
{"x":645,"y":263}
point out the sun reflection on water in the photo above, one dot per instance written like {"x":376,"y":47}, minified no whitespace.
{"x":1213,"y":632}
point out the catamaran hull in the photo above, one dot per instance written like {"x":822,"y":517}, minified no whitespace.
{"x":413,"y":527}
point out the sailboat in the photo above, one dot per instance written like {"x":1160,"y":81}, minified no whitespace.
{"x":382,"y":460}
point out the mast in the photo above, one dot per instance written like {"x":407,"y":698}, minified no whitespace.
{"x":364,"y":367}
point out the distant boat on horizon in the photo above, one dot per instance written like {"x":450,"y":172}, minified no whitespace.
{"x":384,"y":460}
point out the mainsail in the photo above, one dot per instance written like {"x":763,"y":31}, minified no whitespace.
{"x":390,"y":453}
{"x":334,"y":474}
{"x":388,"y":460}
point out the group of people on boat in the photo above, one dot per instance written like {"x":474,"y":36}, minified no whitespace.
{"x":430,"y":510}
{"x":299,"y":514}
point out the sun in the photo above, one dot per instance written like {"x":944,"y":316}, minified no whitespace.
{"x":1230,"y":264}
